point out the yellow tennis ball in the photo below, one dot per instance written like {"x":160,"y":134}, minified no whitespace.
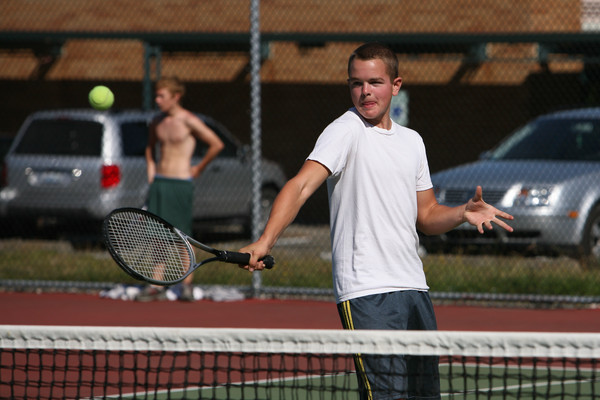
{"x":101,"y":98}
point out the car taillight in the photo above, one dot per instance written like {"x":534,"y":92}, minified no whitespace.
{"x":110,"y":176}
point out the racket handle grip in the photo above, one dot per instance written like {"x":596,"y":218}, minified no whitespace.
{"x":269,"y":261}
{"x":234,"y":257}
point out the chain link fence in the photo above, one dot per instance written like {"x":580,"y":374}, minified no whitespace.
{"x":473,"y":72}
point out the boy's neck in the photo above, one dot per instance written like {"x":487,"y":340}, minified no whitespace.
{"x":174,"y":110}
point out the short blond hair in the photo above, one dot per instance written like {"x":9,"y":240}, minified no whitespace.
{"x":172,"y":84}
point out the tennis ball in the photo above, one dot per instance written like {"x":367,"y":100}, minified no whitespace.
{"x":101,"y":98}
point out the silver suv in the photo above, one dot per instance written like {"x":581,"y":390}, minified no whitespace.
{"x":78,"y":165}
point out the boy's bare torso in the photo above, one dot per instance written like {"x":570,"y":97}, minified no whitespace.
{"x":177,"y":144}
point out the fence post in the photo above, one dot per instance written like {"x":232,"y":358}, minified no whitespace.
{"x":151,"y":53}
{"x":255,"y":117}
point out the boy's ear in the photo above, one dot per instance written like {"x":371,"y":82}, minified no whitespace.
{"x":397,"y":83}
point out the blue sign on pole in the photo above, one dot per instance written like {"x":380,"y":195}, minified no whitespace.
{"x":399,"y":108}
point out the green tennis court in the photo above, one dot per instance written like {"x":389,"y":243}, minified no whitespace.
{"x":465,"y":382}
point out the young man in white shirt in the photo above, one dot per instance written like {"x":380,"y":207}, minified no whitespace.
{"x":380,"y":193}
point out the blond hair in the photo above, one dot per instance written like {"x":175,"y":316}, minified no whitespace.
{"x":172,"y":84}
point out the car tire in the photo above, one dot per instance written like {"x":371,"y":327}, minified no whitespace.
{"x":590,"y":245}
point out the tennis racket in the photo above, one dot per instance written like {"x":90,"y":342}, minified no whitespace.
{"x":149,"y":248}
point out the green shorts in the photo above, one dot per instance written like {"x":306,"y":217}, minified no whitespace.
{"x":172,"y":200}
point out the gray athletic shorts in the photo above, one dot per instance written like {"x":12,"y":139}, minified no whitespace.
{"x":397,"y":376}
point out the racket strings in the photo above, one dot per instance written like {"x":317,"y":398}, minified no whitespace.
{"x":148,"y":247}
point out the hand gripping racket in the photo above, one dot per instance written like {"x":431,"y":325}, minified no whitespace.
{"x":149,"y":248}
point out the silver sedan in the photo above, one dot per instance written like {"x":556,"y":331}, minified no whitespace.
{"x":546,"y":174}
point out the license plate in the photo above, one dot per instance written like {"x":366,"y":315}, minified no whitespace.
{"x":49,"y":179}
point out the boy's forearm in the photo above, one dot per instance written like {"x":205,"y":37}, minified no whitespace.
{"x":285,"y":209}
{"x":150,"y":166}
{"x":290,"y":200}
{"x":282,"y":215}
{"x":210,"y":155}
{"x":443,"y":219}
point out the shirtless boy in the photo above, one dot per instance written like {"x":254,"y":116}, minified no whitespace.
{"x":170,"y":175}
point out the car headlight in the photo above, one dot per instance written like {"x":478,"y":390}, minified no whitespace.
{"x":525,"y":196}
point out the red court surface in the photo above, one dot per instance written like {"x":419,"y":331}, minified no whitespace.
{"x":91,"y":310}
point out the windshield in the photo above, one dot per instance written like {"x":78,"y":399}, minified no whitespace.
{"x":553,"y":139}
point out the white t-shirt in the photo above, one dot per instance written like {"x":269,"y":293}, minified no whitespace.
{"x":375,"y":176}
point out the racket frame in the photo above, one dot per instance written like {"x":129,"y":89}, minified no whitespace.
{"x":219,"y":255}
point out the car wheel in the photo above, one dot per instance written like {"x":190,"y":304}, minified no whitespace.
{"x":591,"y":236}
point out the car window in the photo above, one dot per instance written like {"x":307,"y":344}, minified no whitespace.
{"x":553,"y":139}
{"x":134,"y":136}
{"x":230,"y":149}
{"x":61,"y":137}
{"x":5,"y":143}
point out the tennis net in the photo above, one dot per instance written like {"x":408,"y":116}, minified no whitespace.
{"x":65,"y":362}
